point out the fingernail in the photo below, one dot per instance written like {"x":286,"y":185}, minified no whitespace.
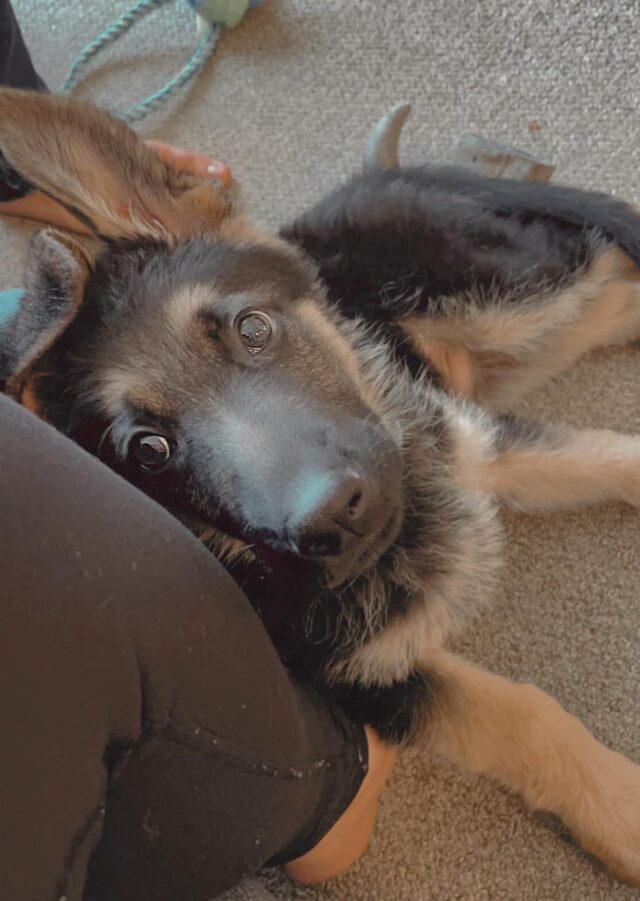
{"x":216,"y":168}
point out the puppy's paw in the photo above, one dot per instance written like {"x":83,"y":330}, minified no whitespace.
{"x":607,"y":825}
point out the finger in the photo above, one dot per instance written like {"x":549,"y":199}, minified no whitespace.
{"x":198,"y":163}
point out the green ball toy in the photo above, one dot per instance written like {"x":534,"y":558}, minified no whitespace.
{"x":223,"y":12}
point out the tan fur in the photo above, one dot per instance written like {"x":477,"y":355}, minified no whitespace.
{"x":451,"y":598}
{"x":473,"y":447}
{"x":495,"y":353}
{"x":562,"y":468}
{"x":487,"y":350}
{"x":522,"y":737}
{"x":238,"y":229}
{"x":119,"y":385}
{"x":93,"y":164}
{"x":184,"y":306}
{"x":576,"y":468}
{"x":315,"y":320}
{"x":449,"y":358}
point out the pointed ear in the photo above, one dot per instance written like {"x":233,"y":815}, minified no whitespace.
{"x":56,"y":274}
{"x":100,"y":170}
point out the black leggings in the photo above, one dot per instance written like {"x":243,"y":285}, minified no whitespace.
{"x":16,"y":71}
{"x":150,"y":736}
{"x":153,"y":746}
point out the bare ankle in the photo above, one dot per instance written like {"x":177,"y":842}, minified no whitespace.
{"x":347,"y":840}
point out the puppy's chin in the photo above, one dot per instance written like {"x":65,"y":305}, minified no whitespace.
{"x":287,"y":569}
{"x":369,"y":555}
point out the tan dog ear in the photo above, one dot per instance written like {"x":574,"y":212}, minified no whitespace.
{"x":56,"y":273}
{"x":100,"y":170}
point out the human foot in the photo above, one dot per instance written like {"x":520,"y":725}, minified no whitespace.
{"x":347,"y":840}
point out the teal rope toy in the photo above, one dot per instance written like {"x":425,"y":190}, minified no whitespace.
{"x":211,"y":17}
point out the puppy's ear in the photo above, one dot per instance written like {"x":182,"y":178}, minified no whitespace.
{"x":100,"y":170}
{"x":56,"y":274}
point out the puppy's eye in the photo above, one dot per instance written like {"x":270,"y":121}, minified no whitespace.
{"x":255,"y":329}
{"x":151,"y":452}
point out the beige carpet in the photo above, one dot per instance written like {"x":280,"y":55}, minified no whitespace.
{"x":288,"y":102}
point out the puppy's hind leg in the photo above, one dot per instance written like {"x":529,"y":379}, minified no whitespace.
{"x":519,"y":735}
{"x":496,"y":353}
{"x":531,"y":466}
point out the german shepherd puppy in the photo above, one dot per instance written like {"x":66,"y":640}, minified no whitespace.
{"x":331,"y":411}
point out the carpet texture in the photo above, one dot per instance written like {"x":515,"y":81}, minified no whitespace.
{"x":288,"y":101}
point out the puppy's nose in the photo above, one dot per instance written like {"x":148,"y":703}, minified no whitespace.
{"x":338,"y":519}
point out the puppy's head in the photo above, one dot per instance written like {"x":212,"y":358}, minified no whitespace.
{"x":200,"y":360}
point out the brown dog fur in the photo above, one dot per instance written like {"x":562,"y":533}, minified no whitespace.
{"x":486,"y":354}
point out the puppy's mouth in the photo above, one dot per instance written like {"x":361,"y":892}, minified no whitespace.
{"x":368,"y":555}
{"x":274,"y":553}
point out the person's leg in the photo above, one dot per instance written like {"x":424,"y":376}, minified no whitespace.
{"x":16,"y":71}
{"x":151,"y":736}
{"x":16,"y":67}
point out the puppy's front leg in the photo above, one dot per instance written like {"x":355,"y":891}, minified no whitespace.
{"x":532,"y":466}
{"x":519,"y":735}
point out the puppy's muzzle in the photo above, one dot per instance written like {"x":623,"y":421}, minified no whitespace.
{"x":336,"y":513}
{"x":296,"y":482}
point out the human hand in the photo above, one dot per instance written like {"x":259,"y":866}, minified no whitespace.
{"x":43,"y":208}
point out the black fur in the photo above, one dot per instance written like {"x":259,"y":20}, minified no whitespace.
{"x":395,"y":711}
{"x":385,"y":245}
{"x":398,"y":242}
{"x":303,"y":622}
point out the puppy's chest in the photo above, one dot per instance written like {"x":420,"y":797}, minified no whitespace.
{"x":288,"y":603}
{"x":316,"y":633}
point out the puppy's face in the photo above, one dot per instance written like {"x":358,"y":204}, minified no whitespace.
{"x":196,"y":357}
{"x":226,"y":389}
